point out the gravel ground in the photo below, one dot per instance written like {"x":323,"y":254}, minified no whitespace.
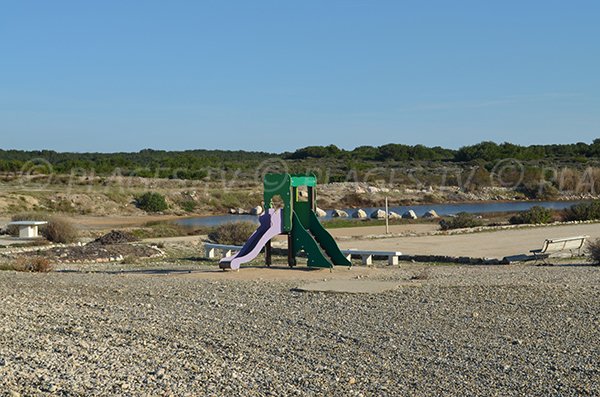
{"x":503,"y":330}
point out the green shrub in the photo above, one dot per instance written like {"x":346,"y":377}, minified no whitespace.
{"x":233,"y":233}
{"x":536,"y":192}
{"x":583,"y":211}
{"x":188,"y":205}
{"x":592,"y":251}
{"x":59,"y":230}
{"x":460,"y":221}
{"x":534,"y":215}
{"x":151,"y":202}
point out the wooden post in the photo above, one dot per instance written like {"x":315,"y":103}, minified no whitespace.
{"x":387,"y":216}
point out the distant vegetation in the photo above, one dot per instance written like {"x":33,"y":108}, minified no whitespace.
{"x":587,"y":211}
{"x":460,"y":221}
{"x":190,"y":164}
{"x":197,"y":164}
{"x":537,"y":172}
{"x":151,"y":202}
{"x":534,"y":215}
{"x":233,"y":233}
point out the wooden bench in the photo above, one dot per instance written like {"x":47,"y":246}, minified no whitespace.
{"x":226,"y":250}
{"x":367,"y":256}
{"x":554,"y":246}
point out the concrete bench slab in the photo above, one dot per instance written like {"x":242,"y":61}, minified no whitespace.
{"x":28,"y":229}
{"x":367,"y":256}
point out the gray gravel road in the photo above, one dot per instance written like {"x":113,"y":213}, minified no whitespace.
{"x":465,"y":331}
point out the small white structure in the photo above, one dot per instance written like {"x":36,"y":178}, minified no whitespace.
{"x":28,"y":229}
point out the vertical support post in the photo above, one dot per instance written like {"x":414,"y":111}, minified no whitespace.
{"x":268,"y":257}
{"x":291,"y":258}
{"x":210,"y":253}
{"x":387,"y":217}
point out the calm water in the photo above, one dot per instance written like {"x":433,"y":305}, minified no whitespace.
{"x":441,"y":209}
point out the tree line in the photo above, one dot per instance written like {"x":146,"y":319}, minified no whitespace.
{"x":486,"y":151}
{"x":193,"y":164}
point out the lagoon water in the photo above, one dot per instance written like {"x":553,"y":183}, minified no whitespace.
{"x":441,"y":209}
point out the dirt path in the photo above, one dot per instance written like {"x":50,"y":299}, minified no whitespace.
{"x":114,"y":222}
{"x":380,"y":230}
{"x":497,"y":244}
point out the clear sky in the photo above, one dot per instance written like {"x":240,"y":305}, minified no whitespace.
{"x":278,"y":75}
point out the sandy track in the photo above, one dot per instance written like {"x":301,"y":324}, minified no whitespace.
{"x":493,"y":244}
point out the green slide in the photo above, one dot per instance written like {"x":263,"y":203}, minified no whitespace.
{"x":312,"y":238}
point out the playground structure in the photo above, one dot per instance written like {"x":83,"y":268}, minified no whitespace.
{"x":297,"y":219}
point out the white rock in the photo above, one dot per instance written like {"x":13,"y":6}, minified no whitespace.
{"x":431,"y":214}
{"x":393,"y":215}
{"x":256,"y":210}
{"x":410,"y":214}
{"x":359,"y":214}
{"x":379,"y":214}
{"x":339,"y":214}
{"x":320,"y":213}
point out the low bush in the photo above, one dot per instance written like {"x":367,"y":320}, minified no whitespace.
{"x":151,"y":202}
{"x":534,"y":215}
{"x":234,"y":233}
{"x":37,"y":264}
{"x":59,"y":230}
{"x":539,"y":192}
{"x":460,"y":221}
{"x":583,"y":211}
{"x":592,"y":251}
{"x":188,"y":205}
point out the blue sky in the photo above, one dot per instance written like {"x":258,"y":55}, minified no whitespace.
{"x":279,"y":75}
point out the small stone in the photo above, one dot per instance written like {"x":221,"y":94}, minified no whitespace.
{"x":393,"y":215}
{"x":359,"y":214}
{"x":410,"y":214}
{"x":431,"y":214}
{"x":339,"y":214}
{"x":378,"y":214}
{"x":352,"y":380}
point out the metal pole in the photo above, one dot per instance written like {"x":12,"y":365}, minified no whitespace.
{"x":387,"y":216}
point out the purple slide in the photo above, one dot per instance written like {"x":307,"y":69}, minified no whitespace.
{"x":270,"y":226}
